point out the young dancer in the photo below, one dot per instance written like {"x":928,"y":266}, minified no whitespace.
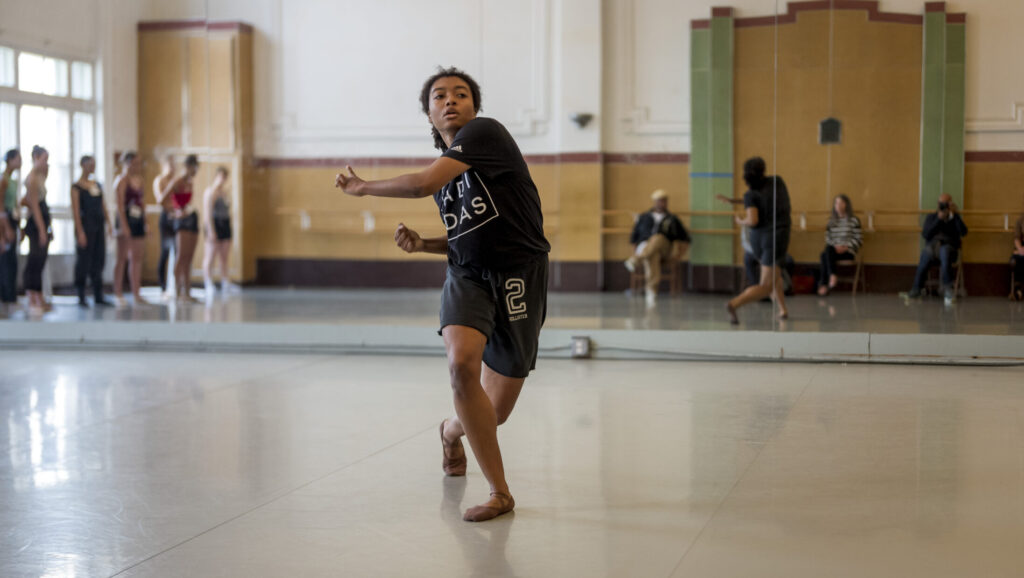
{"x":217,"y":208}
{"x":161,"y":184}
{"x":495,"y":295}
{"x":92,"y":225}
{"x":186,"y":227}
{"x":131,"y":228}
{"x":12,"y":235}
{"x":767,"y":213}
{"x":37,"y":230}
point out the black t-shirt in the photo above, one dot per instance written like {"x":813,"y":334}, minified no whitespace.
{"x":772,"y":203}
{"x":492,"y":211}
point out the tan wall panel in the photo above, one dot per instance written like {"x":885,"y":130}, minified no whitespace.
{"x":876,"y":93}
{"x":198,"y":92}
{"x":161,"y":76}
{"x":628,"y":188}
{"x":221,"y":97}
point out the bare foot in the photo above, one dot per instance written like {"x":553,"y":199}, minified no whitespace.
{"x":822,"y":290}
{"x":783,"y":315}
{"x":498,"y":504}
{"x":453,"y":460}
{"x":733,"y":319}
{"x":833,"y":281}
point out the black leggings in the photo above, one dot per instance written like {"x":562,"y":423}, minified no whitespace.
{"x":89,"y":261}
{"x":1018,"y":268}
{"x":829,"y":258}
{"x":37,"y":255}
{"x":9,"y":269}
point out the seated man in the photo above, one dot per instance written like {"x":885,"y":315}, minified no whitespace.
{"x":657,"y":235}
{"x":943,"y":231}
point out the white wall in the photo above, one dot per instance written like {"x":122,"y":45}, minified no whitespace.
{"x":341,"y":77}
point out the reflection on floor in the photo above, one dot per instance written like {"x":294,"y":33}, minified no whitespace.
{"x":694,"y":312}
{"x":160,"y":464}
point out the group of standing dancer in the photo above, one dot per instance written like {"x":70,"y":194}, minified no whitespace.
{"x":179,"y":228}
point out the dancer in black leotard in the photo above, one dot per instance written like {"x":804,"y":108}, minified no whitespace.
{"x":92,"y":226}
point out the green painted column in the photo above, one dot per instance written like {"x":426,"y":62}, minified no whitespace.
{"x":942,"y":106}
{"x":711,"y":153}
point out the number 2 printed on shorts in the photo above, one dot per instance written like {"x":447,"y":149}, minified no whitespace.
{"x":514,"y":291}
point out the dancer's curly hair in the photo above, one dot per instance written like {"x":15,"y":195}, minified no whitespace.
{"x":474,"y":90}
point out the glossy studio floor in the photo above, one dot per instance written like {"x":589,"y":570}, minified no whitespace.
{"x":150,"y":463}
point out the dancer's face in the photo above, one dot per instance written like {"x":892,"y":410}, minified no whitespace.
{"x":451,"y":104}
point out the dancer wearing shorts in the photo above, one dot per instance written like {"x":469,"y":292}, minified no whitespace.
{"x":186,"y":227}
{"x":767,"y":214}
{"x":495,"y":295}
{"x":131,"y":228}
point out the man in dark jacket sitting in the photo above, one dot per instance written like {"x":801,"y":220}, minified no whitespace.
{"x":657,"y":235}
{"x":943,"y":231}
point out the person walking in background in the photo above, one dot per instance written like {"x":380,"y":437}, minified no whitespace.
{"x":92,"y":225}
{"x":767,"y":213}
{"x":843,"y":238}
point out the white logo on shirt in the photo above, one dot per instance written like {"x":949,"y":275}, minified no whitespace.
{"x":466,"y":208}
{"x":457,"y":148}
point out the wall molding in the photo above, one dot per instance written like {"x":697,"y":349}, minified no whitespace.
{"x":994,"y":156}
{"x":1013,"y":124}
{"x":635,"y":116}
{"x":533,"y":159}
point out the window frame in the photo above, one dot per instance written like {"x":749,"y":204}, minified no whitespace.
{"x":20,"y":98}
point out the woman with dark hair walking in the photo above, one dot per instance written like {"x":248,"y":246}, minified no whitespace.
{"x":843,"y":238}
{"x":92,"y":225}
{"x":37,"y":230}
{"x":767,"y":214}
{"x":495,"y":295}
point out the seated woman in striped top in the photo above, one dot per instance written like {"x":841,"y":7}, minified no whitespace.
{"x":843,"y":239}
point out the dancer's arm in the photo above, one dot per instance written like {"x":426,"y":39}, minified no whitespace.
{"x":119,"y":191}
{"x":75,"y":213}
{"x":749,"y":219}
{"x":410,"y":186}
{"x":411,"y":242}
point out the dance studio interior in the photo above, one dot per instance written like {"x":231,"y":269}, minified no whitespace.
{"x":704,"y":289}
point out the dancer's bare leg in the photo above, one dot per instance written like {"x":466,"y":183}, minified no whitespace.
{"x":755,"y":292}
{"x":779,"y":294}
{"x":138,"y":248}
{"x":119,"y":266}
{"x":183,"y":268}
{"x":477,"y":415}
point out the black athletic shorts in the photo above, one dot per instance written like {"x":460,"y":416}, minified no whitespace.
{"x":222,"y":229}
{"x":769,"y":246}
{"x":188,"y":223}
{"x":136,"y":226}
{"x":508,"y":307}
